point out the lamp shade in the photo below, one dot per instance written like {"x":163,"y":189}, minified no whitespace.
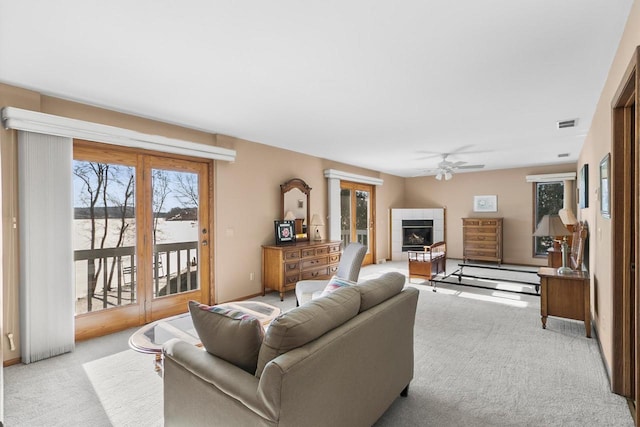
{"x":289,"y":216}
{"x":316,"y":220}
{"x":551,"y":225}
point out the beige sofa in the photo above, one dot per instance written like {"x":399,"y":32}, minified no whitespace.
{"x":357,"y":359}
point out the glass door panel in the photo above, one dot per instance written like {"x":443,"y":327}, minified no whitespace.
{"x":104,"y":239}
{"x":177,"y":258}
{"x":363,"y":219}
{"x":175,"y":232}
{"x":345,"y":216}
{"x":356,"y":216}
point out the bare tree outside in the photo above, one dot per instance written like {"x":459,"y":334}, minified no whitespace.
{"x":186,"y":189}
{"x":103,"y":192}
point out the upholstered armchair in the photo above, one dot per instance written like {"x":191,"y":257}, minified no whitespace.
{"x":348,"y":268}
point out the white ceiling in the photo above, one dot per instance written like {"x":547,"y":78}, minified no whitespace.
{"x":376,"y":84}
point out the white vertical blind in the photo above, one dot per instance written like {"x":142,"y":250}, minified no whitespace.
{"x":45,"y":193}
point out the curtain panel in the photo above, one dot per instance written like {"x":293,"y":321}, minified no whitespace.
{"x":45,"y":194}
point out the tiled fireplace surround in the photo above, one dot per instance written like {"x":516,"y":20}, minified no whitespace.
{"x":397,"y":215}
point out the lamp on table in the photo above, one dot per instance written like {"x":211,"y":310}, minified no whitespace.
{"x":316,"y":222}
{"x":552,"y":226}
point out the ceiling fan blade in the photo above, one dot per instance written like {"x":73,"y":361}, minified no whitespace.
{"x":471,"y":167}
{"x":458,"y":164}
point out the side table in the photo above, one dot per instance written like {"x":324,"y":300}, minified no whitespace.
{"x":565,"y":295}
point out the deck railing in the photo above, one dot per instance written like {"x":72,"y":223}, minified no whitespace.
{"x":111,"y":273}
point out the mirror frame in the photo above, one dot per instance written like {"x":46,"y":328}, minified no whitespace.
{"x":296,"y":183}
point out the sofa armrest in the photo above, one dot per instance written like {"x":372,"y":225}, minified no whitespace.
{"x":228,"y":379}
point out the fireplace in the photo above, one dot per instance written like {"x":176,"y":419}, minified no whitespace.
{"x":416,"y":233}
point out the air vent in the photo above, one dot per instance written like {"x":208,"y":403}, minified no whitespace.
{"x":563,"y":155}
{"x":562,"y":124}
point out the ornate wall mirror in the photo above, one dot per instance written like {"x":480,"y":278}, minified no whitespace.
{"x":295,"y":196}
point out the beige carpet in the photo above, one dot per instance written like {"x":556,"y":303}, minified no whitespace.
{"x":481,"y":359}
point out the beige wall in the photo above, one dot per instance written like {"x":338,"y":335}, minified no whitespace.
{"x":248,"y":201}
{"x":597,"y":145}
{"x":515,"y":205}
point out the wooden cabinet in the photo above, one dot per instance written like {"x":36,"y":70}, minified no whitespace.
{"x":482,"y":239}
{"x":565,"y":295}
{"x":284,"y":266}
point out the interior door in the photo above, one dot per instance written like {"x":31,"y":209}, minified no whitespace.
{"x":357,"y":222}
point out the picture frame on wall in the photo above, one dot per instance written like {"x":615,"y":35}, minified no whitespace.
{"x":583,"y":187}
{"x":285,"y":233}
{"x":485,"y":203}
{"x":605,"y":186}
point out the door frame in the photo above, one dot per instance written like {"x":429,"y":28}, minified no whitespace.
{"x":625,"y":241}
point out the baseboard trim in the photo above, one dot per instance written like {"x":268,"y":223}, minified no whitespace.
{"x":10,"y":362}
{"x":596,"y":336}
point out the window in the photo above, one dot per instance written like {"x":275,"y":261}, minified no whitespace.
{"x":548,"y":200}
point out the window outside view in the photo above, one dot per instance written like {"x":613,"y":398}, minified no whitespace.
{"x":105,"y":234}
{"x":549,"y":199}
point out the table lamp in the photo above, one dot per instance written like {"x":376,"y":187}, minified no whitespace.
{"x":552,"y":226}
{"x":317,"y":222}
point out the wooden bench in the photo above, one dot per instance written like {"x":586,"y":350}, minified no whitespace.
{"x":428,"y":264}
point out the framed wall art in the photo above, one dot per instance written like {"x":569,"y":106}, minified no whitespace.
{"x":583,"y":187}
{"x":605,"y":186}
{"x":485,"y":203}
{"x":285,"y":232}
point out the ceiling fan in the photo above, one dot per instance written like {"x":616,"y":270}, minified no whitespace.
{"x":446,"y":169}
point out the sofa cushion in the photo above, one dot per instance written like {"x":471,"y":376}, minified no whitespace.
{"x":229,"y":334}
{"x":304,"y":324}
{"x":334,"y":283}
{"x":375,"y":291}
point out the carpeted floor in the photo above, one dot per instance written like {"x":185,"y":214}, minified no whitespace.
{"x":481,"y":359}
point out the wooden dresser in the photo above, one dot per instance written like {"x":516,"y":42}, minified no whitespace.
{"x":482,"y":239}
{"x":283,"y":266}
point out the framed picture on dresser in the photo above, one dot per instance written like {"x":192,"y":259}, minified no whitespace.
{"x":285,"y":232}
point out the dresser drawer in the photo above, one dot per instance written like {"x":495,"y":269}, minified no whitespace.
{"x":480,"y":230}
{"x":291,"y":266}
{"x":334,"y":258}
{"x":334,"y":248}
{"x":480,"y":252}
{"x":314,"y":262}
{"x":291,"y":254}
{"x":306,"y":253}
{"x":291,"y":279}
{"x":320,"y":273}
{"x":480,"y":245}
